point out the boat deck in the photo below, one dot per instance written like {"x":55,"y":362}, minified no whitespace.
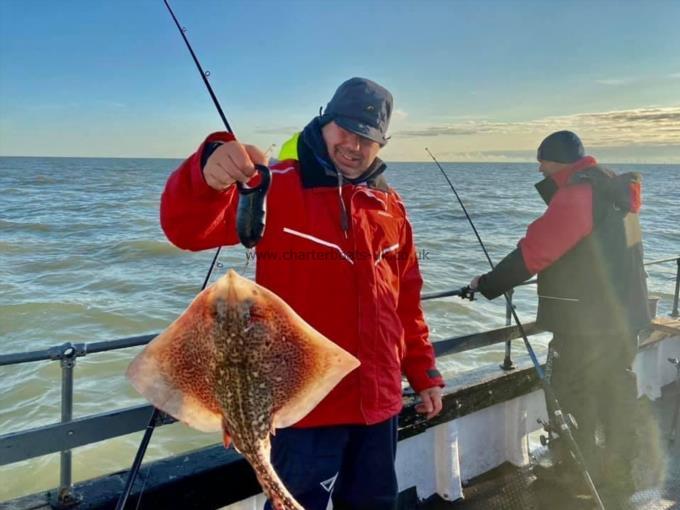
{"x":508,"y":487}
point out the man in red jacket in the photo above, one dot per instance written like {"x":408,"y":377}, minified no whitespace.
{"x":586,"y":249}
{"x":339,"y":249}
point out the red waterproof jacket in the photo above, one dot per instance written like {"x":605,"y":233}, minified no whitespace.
{"x":361,"y":290}
{"x":587,"y":251}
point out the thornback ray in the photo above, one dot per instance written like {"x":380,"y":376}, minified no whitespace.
{"x":241,"y":361}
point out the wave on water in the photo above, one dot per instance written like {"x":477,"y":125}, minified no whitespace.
{"x":14,"y":248}
{"x":52,"y":307}
{"x":141,"y":249}
{"x":20,"y":226}
{"x":48,"y":267}
{"x":38,"y":324}
{"x":44,"y":180}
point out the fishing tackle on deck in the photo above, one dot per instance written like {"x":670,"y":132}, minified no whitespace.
{"x":564,"y":424}
{"x":250,"y":223}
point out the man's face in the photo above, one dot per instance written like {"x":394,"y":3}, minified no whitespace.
{"x":548,"y":168}
{"x":350,"y":153}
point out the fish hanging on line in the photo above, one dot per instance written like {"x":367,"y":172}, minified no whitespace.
{"x":241,"y":361}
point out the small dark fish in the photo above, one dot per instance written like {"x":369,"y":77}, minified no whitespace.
{"x":252,"y":209}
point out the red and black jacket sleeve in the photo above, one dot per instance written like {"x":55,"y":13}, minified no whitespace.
{"x":566,"y":221}
{"x":193,"y":215}
{"x":419,"y":360}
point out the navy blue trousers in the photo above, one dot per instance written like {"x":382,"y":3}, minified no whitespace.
{"x":352,"y":464}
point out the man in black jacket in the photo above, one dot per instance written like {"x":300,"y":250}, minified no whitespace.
{"x":586,"y":249}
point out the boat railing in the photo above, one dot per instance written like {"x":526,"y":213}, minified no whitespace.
{"x":71,"y":433}
{"x":674,"y":311}
{"x":507,"y":360}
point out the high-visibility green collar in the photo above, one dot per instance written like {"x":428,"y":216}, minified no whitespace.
{"x":289,"y":149}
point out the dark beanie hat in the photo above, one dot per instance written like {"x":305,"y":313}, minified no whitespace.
{"x":561,"y":147}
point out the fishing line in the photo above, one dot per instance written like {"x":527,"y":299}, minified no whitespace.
{"x":564,"y":427}
{"x":250,"y":225}
{"x":269,"y":149}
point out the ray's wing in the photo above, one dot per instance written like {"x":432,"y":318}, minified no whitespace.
{"x":176,"y":371}
{"x":303,"y":364}
{"x":326,"y":365}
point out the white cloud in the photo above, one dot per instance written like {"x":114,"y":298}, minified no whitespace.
{"x":615,"y":82}
{"x":399,"y":115}
{"x":282,"y":130}
{"x":49,"y":107}
{"x":114,"y":104}
{"x":650,"y":125}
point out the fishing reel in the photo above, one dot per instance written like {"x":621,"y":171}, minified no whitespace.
{"x":467,"y":293}
{"x":550,"y":435}
{"x":552,"y":431}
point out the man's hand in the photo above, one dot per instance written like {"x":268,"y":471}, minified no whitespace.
{"x":431,"y":403}
{"x":474,"y":283}
{"x":232,"y":162}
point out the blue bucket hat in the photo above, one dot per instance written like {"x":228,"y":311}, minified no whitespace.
{"x":362,"y":107}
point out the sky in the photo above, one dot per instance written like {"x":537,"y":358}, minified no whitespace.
{"x":474,"y":80}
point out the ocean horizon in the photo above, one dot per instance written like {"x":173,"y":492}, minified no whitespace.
{"x":388,"y":161}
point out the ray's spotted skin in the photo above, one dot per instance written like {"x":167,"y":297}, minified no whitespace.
{"x":241,"y":361}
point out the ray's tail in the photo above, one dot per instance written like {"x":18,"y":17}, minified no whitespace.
{"x":271,"y":483}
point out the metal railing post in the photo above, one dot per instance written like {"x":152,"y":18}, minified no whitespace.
{"x":676,"y":411}
{"x":507,"y":361}
{"x":65,"y":495}
{"x":674,"y":312}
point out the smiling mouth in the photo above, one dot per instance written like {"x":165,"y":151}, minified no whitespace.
{"x":348,"y":158}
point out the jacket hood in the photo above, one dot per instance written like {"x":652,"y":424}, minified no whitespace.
{"x":624,"y":191}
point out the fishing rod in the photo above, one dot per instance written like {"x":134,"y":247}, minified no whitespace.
{"x":251,"y":213}
{"x":250,"y":223}
{"x":563,"y":424}
{"x":463,"y":293}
